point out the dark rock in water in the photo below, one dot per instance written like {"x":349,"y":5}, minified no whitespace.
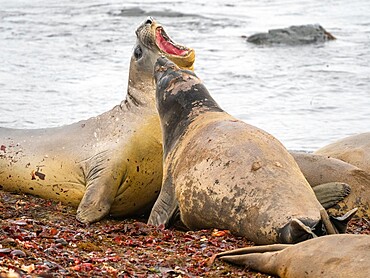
{"x":136,"y":12}
{"x":130,"y":12}
{"x":293,"y":35}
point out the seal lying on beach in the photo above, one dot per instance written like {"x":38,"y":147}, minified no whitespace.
{"x":327,"y":256}
{"x":321,"y":171}
{"x":354,"y":149}
{"x":220,"y":172}
{"x":109,"y":164}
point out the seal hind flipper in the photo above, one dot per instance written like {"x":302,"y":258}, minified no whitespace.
{"x":253,"y":249}
{"x":329,"y":194}
{"x":295,"y":231}
{"x":340,"y":223}
{"x":260,"y":258}
{"x":257,"y":261}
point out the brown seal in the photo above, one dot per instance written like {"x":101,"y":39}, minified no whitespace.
{"x":319,"y":170}
{"x":220,"y":172}
{"x":109,"y":164}
{"x":327,"y":256}
{"x":354,"y":149}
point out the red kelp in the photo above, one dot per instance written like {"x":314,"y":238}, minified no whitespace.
{"x":42,"y":238}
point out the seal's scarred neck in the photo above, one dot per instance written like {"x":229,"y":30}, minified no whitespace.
{"x":178,"y":110}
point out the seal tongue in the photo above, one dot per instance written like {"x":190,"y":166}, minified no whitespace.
{"x":167,"y":46}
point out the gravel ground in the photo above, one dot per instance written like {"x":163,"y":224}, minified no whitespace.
{"x":42,"y":238}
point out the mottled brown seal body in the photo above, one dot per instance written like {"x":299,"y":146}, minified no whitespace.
{"x":320,"y":169}
{"x":330,"y":256}
{"x":354,"y":149}
{"x":223,"y":173}
{"x":109,"y":164}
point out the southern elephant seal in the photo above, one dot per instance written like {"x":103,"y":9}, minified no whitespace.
{"x":109,"y":164}
{"x":354,"y":149}
{"x":220,"y":172}
{"x":328,"y":256}
{"x":320,"y":169}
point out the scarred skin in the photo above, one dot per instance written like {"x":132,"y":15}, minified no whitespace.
{"x":332,"y":256}
{"x":220,"y":172}
{"x":109,"y":164}
{"x":354,"y":149}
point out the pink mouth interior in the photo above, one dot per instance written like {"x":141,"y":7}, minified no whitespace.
{"x":167,"y":45}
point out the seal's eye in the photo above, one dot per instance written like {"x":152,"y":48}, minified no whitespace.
{"x":138,"y":52}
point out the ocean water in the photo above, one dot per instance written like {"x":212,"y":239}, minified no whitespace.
{"x":61,"y":62}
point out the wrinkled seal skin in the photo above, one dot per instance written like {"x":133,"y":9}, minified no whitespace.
{"x":354,"y":149}
{"x":330,"y":256}
{"x":223,"y":173}
{"x":109,"y":164}
{"x":319,"y":169}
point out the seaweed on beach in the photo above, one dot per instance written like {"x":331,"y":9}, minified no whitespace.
{"x":42,"y":238}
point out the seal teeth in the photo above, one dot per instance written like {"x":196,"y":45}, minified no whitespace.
{"x":162,"y":33}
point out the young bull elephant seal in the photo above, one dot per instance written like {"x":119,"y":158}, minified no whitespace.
{"x":223,"y":173}
{"x":328,"y":256}
{"x":109,"y":164}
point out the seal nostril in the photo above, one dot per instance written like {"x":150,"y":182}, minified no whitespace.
{"x":149,"y":21}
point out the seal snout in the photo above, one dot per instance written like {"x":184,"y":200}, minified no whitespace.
{"x":165,"y":63}
{"x":162,"y":66}
{"x":149,"y":20}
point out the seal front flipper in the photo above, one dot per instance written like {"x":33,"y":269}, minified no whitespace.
{"x":102,"y":183}
{"x":329,"y":194}
{"x":166,"y":207}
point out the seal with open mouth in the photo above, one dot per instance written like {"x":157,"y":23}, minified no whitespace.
{"x":109,"y":164}
{"x":220,"y":172}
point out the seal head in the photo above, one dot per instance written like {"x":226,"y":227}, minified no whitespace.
{"x":174,"y":102}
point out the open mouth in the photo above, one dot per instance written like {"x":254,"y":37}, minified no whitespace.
{"x":167,"y":45}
